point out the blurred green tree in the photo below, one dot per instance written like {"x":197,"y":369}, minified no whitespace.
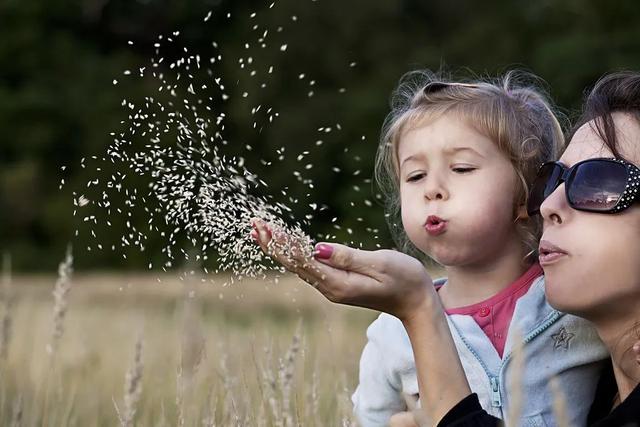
{"x":58,"y":105}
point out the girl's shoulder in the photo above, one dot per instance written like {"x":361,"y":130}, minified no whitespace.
{"x":388,"y":332}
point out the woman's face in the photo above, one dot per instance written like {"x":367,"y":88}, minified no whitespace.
{"x":600,"y":273}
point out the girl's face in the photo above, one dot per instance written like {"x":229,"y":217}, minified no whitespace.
{"x":600,"y":273}
{"x":457,"y":193}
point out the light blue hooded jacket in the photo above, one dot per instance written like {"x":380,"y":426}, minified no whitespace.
{"x":555,"y":345}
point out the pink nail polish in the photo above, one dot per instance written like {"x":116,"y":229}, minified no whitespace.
{"x":323,"y":251}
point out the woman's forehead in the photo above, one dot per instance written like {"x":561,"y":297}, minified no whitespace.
{"x":587,"y":143}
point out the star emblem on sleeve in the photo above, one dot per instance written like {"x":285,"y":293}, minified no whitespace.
{"x":562,"y":339}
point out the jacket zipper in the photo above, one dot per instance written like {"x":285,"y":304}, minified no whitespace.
{"x":496,"y":399}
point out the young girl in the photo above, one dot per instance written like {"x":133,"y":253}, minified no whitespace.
{"x":455,"y":161}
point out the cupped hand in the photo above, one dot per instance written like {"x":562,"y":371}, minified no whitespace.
{"x":383,"y":280}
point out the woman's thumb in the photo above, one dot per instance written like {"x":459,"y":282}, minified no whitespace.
{"x":334,"y":254}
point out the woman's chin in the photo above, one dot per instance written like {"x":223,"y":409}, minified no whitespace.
{"x":565,"y":296}
{"x":561,"y":296}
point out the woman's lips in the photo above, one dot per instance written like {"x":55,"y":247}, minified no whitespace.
{"x":548,"y":253}
{"x":435,"y":225}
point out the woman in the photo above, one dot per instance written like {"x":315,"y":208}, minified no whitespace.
{"x":590,"y":251}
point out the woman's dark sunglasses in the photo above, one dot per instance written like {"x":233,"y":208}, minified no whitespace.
{"x":603,"y":185}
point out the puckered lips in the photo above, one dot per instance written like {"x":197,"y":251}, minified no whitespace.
{"x":548,"y":253}
{"x":435,"y":225}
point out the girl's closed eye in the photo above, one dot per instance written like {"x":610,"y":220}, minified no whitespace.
{"x":417,"y":176}
{"x":462,"y":169}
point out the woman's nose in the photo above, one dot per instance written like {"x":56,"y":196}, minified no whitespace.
{"x":555,"y":208}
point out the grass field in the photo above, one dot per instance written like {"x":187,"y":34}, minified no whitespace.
{"x":253,"y":353}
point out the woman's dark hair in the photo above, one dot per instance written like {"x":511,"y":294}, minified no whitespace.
{"x":614,"y":92}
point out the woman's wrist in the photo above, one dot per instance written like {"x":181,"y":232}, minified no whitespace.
{"x":442,"y":386}
{"x":429,"y":309}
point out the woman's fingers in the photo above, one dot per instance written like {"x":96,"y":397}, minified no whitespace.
{"x":369,"y":263}
{"x":260,"y":233}
{"x":332,"y":277}
{"x":277,"y":244}
{"x":403,"y":419}
{"x":341,"y":286}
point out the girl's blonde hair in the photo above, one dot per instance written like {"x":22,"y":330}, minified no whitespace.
{"x":513,"y":111}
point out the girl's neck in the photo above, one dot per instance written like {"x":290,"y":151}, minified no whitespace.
{"x":619,"y":332}
{"x":470,"y":284}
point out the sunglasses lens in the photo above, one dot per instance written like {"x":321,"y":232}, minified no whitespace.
{"x":544,"y":184}
{"x":597,"y":185}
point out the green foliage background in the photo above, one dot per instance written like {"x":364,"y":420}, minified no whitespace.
{"x":57,"y":103}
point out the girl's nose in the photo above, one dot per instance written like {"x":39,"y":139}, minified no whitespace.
{"x":434,"y":190}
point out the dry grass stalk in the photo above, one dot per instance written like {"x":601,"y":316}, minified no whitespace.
{"x":516,"y":385}
{"x":191,"y":356}
{"x":344,"y":405}
{"x":262,"y":417}
{"x":132,"y":387}
{"x":209,"y":418}
{"x":287,"y":369}
{"x":60,"y":294}
{"x":271,"y":390}
{"x":227,"y":383}
{"x":315,"y":401}
{"x":16,"y":416}
{"x":559,"y":403}
{"x":5,"y":325}
{"x":179,"y":396}
{"x":163,"y":416}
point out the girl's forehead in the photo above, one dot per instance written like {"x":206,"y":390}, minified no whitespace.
{"x":441,"y":132}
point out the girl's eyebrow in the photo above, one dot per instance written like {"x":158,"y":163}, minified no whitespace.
{"x":447,"y":151}
{"x":416,"y":156}
{"x":454,"y":150}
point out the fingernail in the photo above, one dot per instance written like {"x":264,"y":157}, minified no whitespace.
{"x":323,"y":251}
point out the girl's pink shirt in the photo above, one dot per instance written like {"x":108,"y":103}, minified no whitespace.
{"x":494,"y":314}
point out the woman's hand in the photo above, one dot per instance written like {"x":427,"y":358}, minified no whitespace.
{"x":382,"y":280}
{"x":403,"y":419}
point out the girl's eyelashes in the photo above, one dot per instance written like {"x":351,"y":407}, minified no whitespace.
{"x":416,"y":177}
{"x":463,"y":169}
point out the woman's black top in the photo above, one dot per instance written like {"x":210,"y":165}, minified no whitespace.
{"x":469,"y":413}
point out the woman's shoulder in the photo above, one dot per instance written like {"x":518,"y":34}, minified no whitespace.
{"x":602,"y":413}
